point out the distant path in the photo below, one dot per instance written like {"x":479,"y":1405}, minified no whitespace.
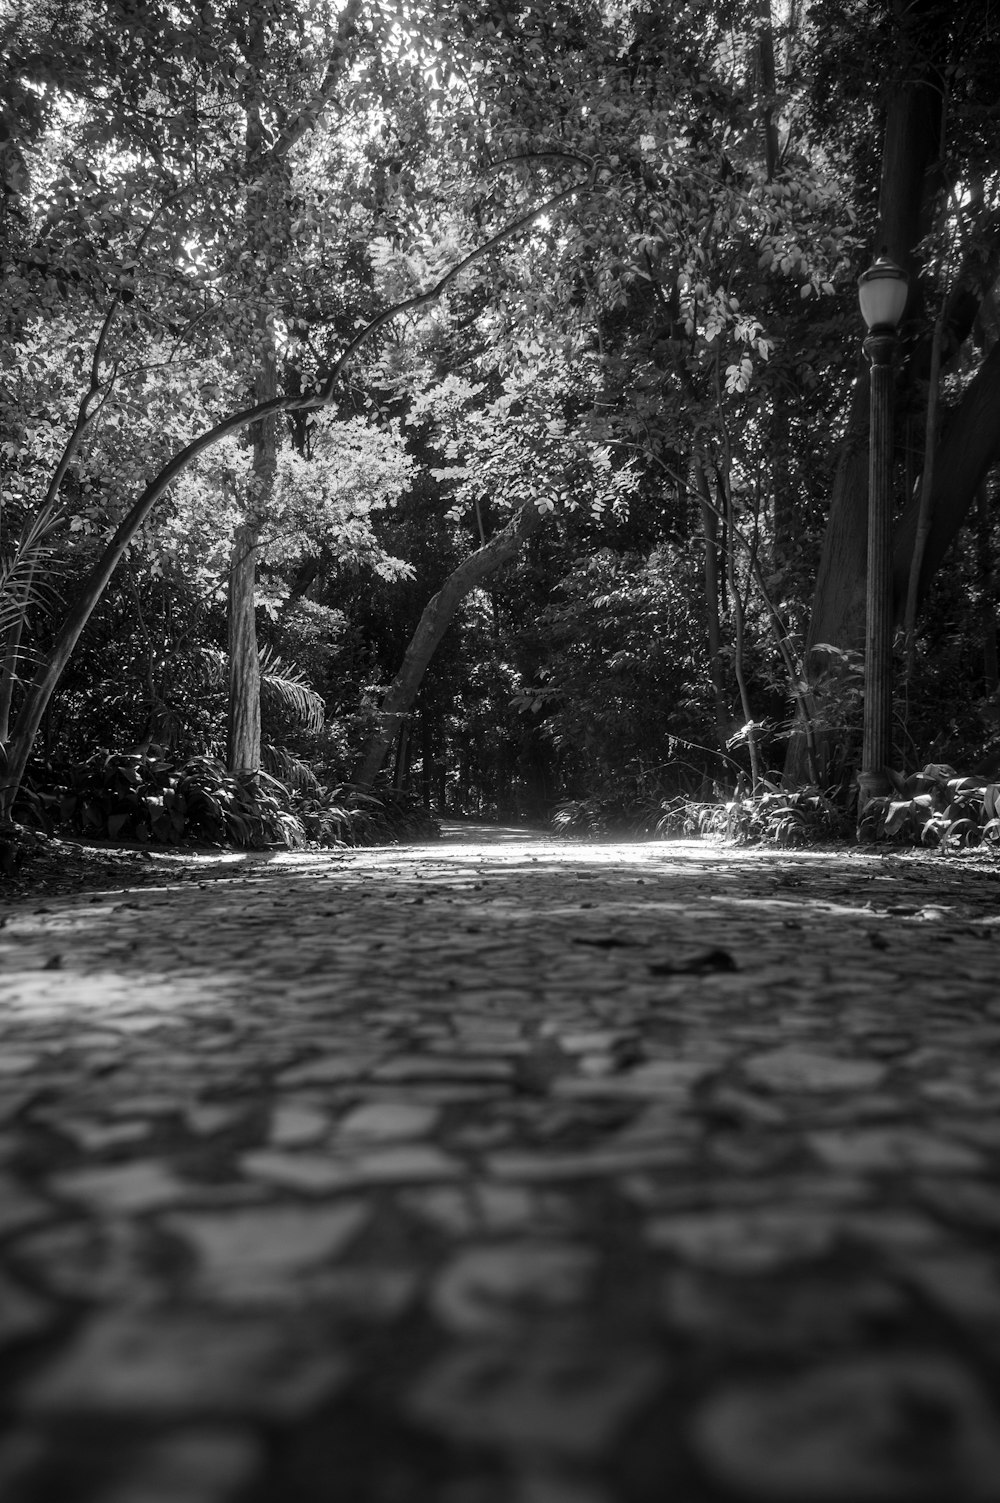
{"x":504,"y":1169}
{"x":470,"y":830}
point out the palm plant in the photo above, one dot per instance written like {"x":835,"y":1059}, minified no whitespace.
{"x":28,"y":568}
{"x":287,"y":689}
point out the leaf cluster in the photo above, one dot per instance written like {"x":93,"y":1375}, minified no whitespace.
{"x":147,"y":797}
{"x":936,"y":807}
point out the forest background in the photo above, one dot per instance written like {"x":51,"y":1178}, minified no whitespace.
{"x":467,"y":398}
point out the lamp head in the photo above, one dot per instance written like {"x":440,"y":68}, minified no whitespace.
{"x":882,"y":291}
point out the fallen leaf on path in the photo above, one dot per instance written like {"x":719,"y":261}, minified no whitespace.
{"x":698,"y":965}
{"x":609,"y":943}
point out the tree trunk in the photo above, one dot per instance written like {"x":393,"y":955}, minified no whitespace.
{"x":768,"y":87}
{"x":433,"y":624}
{"x":267,"y":227}
{"x":243,"y":740}
{"x":969,"y":446}
{"x":426,"y":768}
{"x":710,"y":531}
{"x":910,"y":149}
{"x":739,"y":637}
{"x":987,"y":586}
{"x":911,"y":141}
{"x":926,"y":502}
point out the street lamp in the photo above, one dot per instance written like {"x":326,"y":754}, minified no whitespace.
{"x":882,"y":293}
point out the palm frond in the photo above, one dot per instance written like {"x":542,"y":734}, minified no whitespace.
{"x":214,"y":663}
{"x":27,"y":571}
{"x":292,"y":771}
{"x":288,"y":688}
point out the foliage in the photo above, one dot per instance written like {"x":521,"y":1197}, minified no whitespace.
{"x":613,"y":815}
{"x":936,"y":807}
{"x":351,"y":816}
{"x":769,"y":816}
{"x":623,"y":672}
{"x":289,"y":690}
{"x":144,"y":796}
{"x":662,"y":361}
{"x":150,"y":799}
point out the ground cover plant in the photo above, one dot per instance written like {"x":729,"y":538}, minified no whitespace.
{"x":935,"y":808}
{"x":148,"y":798}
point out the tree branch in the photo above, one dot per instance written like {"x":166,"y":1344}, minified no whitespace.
{"x":310,"y":113}
{"x":409,"y":305}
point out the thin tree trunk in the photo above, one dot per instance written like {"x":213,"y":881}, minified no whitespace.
{"x":267,"y":228}
{"x":710,"y":532}
{"x":969,"y":446}
{"x":724,"y":474}
{"x":437,"y":617}
{"x":243,"y":740}
{"x":426,"y":770}
{"x":768,"y":87}
{"x":923,"y":523}
{"x":402,"y":758}
{"x":739,"y":623}
{"x":987,"y":586}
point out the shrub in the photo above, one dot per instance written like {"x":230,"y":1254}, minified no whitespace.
{"x":771,"y":816}
{"x":936,"y":807}
{"x":145,"y":797}
{"x":603,"y":816}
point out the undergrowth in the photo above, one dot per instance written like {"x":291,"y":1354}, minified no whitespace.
{"x":146,"y":797}
{"x":770,"y":816}
{"x":935,"y":807}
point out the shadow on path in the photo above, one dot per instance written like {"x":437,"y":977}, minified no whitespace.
{"x":504,"y":1170}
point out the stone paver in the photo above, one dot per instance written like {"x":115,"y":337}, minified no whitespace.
{"x":509,"y":1172}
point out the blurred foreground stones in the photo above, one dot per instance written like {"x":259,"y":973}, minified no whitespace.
{"x":505,"y":1172}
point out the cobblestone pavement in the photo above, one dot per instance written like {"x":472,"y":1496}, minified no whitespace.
{"x":512,"y":1173}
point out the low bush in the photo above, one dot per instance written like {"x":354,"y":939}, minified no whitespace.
{"x":936,"y":807}
{"x":771,"y":816}
{"x":145,"y":797}
{"x":347,"y":815}
{"x":603,"y":817}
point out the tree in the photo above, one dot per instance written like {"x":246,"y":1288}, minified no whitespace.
{"x":104,"y":363}
{"x":518,"y":457}
{"x":649,"y":221}
{"x":935,"y":94}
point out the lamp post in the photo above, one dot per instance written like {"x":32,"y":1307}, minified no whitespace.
{"x":882,"y":293}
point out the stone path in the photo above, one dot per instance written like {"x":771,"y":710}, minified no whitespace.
{"x":511,"y":1173}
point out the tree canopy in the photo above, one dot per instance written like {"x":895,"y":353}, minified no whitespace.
{"x":470,"y":393}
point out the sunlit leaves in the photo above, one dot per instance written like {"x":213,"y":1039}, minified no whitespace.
{"x":521,"y":447}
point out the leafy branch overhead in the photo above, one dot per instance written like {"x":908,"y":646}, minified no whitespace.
{"x":481,"y":388}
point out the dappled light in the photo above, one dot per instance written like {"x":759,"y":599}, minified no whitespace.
{"x":508,"y":1141}
{"x":499,"y":751}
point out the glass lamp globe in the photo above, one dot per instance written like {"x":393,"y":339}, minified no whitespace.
{"x":882,"y":293}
